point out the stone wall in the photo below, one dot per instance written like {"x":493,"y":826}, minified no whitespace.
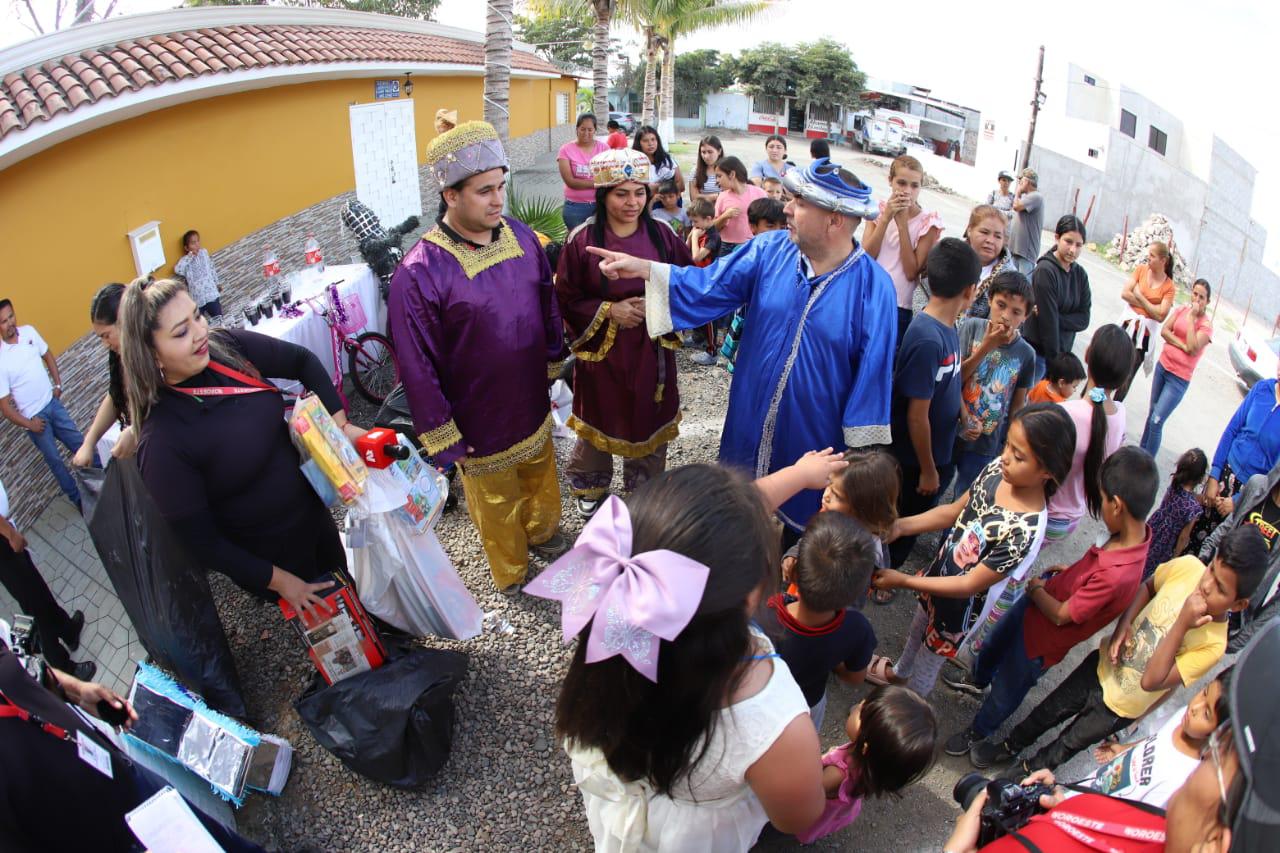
{"x":28,"y":481}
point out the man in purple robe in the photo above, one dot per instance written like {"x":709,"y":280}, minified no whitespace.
{"x":478,"y":337}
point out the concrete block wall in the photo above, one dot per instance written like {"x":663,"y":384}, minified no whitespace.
{"x":27,"y":480}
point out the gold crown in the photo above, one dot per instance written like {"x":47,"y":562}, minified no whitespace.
{"x":611,"y":168}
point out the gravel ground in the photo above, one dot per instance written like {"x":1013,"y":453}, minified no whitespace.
{"x":507,"y":783}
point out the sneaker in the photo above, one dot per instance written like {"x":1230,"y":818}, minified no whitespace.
{"x":960,"y":742}
{"x":704,"y":358}
{"x":961,"y":681}
{"x":553,"y":548}
{"x":587,"y":506}
{"x":985,"y":754}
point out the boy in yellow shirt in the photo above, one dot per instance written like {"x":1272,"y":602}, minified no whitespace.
{"x":1173,"y":633}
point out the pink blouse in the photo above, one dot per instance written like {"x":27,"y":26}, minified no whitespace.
{"x":891,"y":249}
{"x":1174,"y":360}
{"x":579,"y":167}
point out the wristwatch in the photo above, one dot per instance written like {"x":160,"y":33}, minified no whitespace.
{"x":57,"y":386}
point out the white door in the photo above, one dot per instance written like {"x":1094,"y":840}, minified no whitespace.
{"x":386,"y":165}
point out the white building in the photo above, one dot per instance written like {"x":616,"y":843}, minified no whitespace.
{"x":1102,"y":143}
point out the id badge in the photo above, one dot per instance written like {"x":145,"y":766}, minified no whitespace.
{"x":94,"y":754}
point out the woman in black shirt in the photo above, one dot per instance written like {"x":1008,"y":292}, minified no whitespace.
{"x":214,"y":449}
{"x":114,"y":407}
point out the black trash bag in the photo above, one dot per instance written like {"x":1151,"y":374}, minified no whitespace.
{"x":89,"y":481}
{"x":393,"y":724}
{"x":164,"y":591}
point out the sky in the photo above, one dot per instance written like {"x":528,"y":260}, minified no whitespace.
{"x":1207,"y":63}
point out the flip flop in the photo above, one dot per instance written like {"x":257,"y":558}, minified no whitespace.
{"x":882,"y":596}
{"x":878,"y":671}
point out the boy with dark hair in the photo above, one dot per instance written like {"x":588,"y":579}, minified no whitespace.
{"x":1064,"y":606}
{"x":926,"y":385}
{"x":997,"y":370}
{"x":704,"y":245}
{"x":819,"y":629}
{"x":1062,"y":375}
{"x":616,"y":139}
{"x":766,"y":214}
{"x":1258,"y":504}
{"x":667,"y":208}
{"x":1172,"y":634}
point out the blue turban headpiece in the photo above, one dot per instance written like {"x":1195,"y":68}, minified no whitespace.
{"x":820,"y":184}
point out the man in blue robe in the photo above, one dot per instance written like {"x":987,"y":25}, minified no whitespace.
{"x":815,"y":364}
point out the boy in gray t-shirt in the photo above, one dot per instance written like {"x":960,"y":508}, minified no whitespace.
{"x":1028,"y":222}
{"x":996,"y":369}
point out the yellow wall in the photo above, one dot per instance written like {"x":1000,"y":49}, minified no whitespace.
{"x":226,"y":166}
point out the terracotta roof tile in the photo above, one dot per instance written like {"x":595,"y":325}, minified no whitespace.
{"x":69,"y":82}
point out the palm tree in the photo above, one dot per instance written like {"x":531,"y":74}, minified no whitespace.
{"x":602,"y":12}
{"x":682,"y":17}
{"x":498,"y":36}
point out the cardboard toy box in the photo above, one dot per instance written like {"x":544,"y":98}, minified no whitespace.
{"x":343,"y":643}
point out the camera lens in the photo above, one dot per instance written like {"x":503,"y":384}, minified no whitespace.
{"x":967,"y":788}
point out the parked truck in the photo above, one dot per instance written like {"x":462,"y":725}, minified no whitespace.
{"x":878,"y":136}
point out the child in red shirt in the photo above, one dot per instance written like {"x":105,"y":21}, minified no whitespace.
{"x":705,"y":245}
{"x":616,"y":138}
{"x":1070,"y":607}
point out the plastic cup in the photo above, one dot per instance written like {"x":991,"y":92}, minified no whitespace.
{"x":267,"y":309}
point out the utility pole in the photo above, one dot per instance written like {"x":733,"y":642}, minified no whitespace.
{"x":1035,"y":109}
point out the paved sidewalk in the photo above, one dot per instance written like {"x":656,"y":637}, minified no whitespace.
{"x":63,"y":552}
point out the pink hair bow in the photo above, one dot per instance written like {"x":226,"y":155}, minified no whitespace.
{"x":631,"y":601}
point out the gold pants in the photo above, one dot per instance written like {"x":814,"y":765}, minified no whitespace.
{"x":513,"y":508}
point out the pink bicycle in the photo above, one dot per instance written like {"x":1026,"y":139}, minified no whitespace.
{"x":371,"y":359}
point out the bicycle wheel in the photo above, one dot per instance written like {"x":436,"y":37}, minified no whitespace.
{"x":372,"y":364}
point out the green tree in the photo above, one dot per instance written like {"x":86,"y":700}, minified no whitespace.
{"x":602,"y":13}
{"x":769,"y":68}
{"x":562,"y":39}
{"x":702,"y":72}
{"x":828,"y":74}
{"x":681,"y":17}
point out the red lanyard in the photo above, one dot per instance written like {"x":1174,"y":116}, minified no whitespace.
{"x":1081,"y":828}
{"x":254,"y":386}
{"x":11,"y":709}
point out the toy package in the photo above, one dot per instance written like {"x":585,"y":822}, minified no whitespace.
{"x":343,"y":642}
{"x":428,"y":489}
{"x":327,"y":452}
{"x":178,"y":726}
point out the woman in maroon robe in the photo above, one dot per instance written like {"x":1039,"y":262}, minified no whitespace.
{"x":625,"y":400}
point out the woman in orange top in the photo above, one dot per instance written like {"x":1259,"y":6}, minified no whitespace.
{"x":1149,"y":294}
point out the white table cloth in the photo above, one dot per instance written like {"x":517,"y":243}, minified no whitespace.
{"x":310,"y":330}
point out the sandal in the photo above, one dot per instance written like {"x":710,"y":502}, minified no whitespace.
{"x":882,"y":596}
{"x":878,"y":672}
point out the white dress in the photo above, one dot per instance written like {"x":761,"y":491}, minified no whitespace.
{"x":712,"y":809}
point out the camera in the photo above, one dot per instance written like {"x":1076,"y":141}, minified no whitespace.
{"x":1009,"y":805}
{"x":25,"y":644}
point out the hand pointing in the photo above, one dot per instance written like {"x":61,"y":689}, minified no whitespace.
{"x":617,"y":265}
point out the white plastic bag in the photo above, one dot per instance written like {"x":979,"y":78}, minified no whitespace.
{"x":561,"y":409}
{"x":406,"y":579}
